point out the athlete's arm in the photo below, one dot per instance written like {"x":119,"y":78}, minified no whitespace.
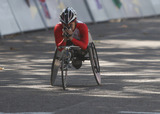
{"x":83,"y":42}
{"x":59,"y":40}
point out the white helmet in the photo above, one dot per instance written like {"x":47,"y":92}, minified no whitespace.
{"x":68,"y":15}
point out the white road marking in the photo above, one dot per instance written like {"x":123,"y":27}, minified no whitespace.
{"x":29,"y":113}
{"x":131,"y":112}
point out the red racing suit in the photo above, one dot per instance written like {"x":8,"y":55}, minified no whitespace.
{"x":80,"y":35}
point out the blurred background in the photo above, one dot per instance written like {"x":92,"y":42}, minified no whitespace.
{"x":18,"y":16}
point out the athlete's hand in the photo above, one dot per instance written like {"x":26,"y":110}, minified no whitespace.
{"x":67,"y":34}
{"x":69,"y":31}
{"x":64,"y":35}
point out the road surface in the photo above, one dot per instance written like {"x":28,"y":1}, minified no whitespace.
{"x":129,"y":54}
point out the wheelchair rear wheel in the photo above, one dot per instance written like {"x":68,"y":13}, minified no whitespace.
{"x":95,"y":63}
{"x":54,"y":69}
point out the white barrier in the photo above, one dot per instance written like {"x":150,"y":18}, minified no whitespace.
{"x":112,"y":11}
{"x":50,"y":16}
{"x":56,"y":6}
{"x":97,"y":10}
{"x":8,"y":24}
{"x":26,"y":15}
{"x":156,"y":6}
{"x":147,"y":8}
{"x":132,"y":8}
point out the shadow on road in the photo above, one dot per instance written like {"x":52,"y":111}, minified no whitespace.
{"x":129,"y":59}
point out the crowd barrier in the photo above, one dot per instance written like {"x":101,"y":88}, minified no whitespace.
{"x":8,"y":22}
{"x":156,"y":4}
{"x":19,"y":16}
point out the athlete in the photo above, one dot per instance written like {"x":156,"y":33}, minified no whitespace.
{"x":70,"y":31}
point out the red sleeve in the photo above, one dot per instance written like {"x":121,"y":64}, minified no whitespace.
{"x":58,"y":35}
{"x":83,"y":42}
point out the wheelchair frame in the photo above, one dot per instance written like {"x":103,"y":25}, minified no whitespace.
{"x":61,"y":61}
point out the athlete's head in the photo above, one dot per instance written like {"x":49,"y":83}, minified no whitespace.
{"x":68,"y":17}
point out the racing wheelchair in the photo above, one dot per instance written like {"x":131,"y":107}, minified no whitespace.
{"x":72,"y":56}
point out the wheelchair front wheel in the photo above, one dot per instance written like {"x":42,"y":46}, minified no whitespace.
{"x":64,"y":72}
{"x":95,"y":63}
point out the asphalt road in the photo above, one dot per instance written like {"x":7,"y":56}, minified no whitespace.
{"x":129,"y":54}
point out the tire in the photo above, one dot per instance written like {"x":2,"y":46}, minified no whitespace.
{"x":95,"y":63}
{"x":63,"y":73}
{"x":54,"y":68}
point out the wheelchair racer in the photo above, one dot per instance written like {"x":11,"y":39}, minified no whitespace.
{"x":71,"y":31}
